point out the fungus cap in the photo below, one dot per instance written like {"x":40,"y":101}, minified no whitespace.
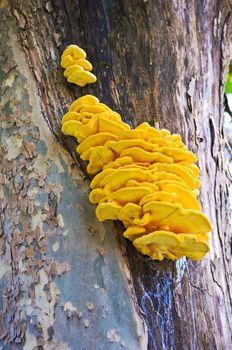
{"x":66,"y":61}
{"x":86,"y":65}
{"x":178,"y":219}
{"x":94,"y":141}
{"x":82,"y":78}
{"x":74,"y":51}
{"x":69,"y":127}
{"x":72,"y":69}
{"x":164,"y":244}
{"x":120,"y":177}
{"x":84,"y":100}
{"x":129,"y":194}
{"x":133,"y":232}
{"x":139,"y":155}
{"x":71,"y":116}
{"x":129,"y":212}
{"x":107,"y":211}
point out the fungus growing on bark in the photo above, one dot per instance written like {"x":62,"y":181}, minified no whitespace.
{"x":77,"y":68}
{"x":164,"y":244}
{"x":144,"y":177}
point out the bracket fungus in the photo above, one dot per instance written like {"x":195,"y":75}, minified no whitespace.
{"x":144,"y":177}
{"x":77,"y":68}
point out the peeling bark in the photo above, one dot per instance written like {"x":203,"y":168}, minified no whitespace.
{"x":66,"y":280}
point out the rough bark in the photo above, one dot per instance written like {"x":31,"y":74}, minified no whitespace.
{"x":67,"y":281}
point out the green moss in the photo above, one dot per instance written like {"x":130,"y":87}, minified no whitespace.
{"x":228,"y":86}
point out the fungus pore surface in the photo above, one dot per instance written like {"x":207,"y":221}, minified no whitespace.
{"x":144,"y":177}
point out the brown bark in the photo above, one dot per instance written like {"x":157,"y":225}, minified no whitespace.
{"x":158,"y":61}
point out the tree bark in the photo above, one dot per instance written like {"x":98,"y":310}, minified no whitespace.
{"x":68,"y":281}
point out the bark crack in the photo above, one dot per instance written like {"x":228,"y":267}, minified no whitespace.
{"x":214,"y":279}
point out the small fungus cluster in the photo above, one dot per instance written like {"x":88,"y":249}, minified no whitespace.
{"x":145,"y":177}
{"x":77,"y":68}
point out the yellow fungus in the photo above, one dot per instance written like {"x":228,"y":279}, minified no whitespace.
{"x":174,"y":137}
{"x":98,"y":158}
{"x":106,"y":124}
{"x":139,"y":155}
{"x":192,"y":246}
{"x":108,"y":109}
{"x":95,"y":183}
{"x":160,"y":142}
{"x":75,"y":51}
{"x":120,"y":177}
{"x":119,"y":146}
{"x":161,"y":183}
{"x":133,"y":232}
{"x":177,"y":154}
{"x":77,"y":68}
{"x":107,"y":211}
{"x":86,"y":65}
{"x":87,"y":129}
{"x":158,"y":245}
{"x":71,"y":116}
{"x":85,"y":117}
{"x":180,"y":144}
{"x":139,"y":133}
{"x":110,"y":115}
{"x":91,"y":127}
{"x":134,"y":165}
{"x":118,"y":162}
{"x":159,"y":211}
{"x":192,"y":168}
{"x":175,"y":169}
{"x":84,"y":100}
{"x":146,"y":177}
{"x":82,"y":78}
{"x":69,"y":127}
{"x":163,"y":244}
{"x":148,"y":130}
{"x":129,"y":194}
{"x":198,"y":183}
{"x":129,"y":212}
{"x":94,"y":140}
{"x":72,"y":69}
{"x":133,"y":183}
{"x":184,"y":196}
{"x":164,"y":132}
{"x":96,"y":195}
{"x":177,"y":218}
{"x":164,"y":176}
{"x":95,"y":109}
{"x":66,"y":61}
{"x":159,"y":196}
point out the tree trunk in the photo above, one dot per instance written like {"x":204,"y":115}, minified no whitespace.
{"x":67,"y":280}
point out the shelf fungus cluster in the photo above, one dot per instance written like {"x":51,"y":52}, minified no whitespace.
{"x":145,"y":177}
{"x":77,"y":68}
